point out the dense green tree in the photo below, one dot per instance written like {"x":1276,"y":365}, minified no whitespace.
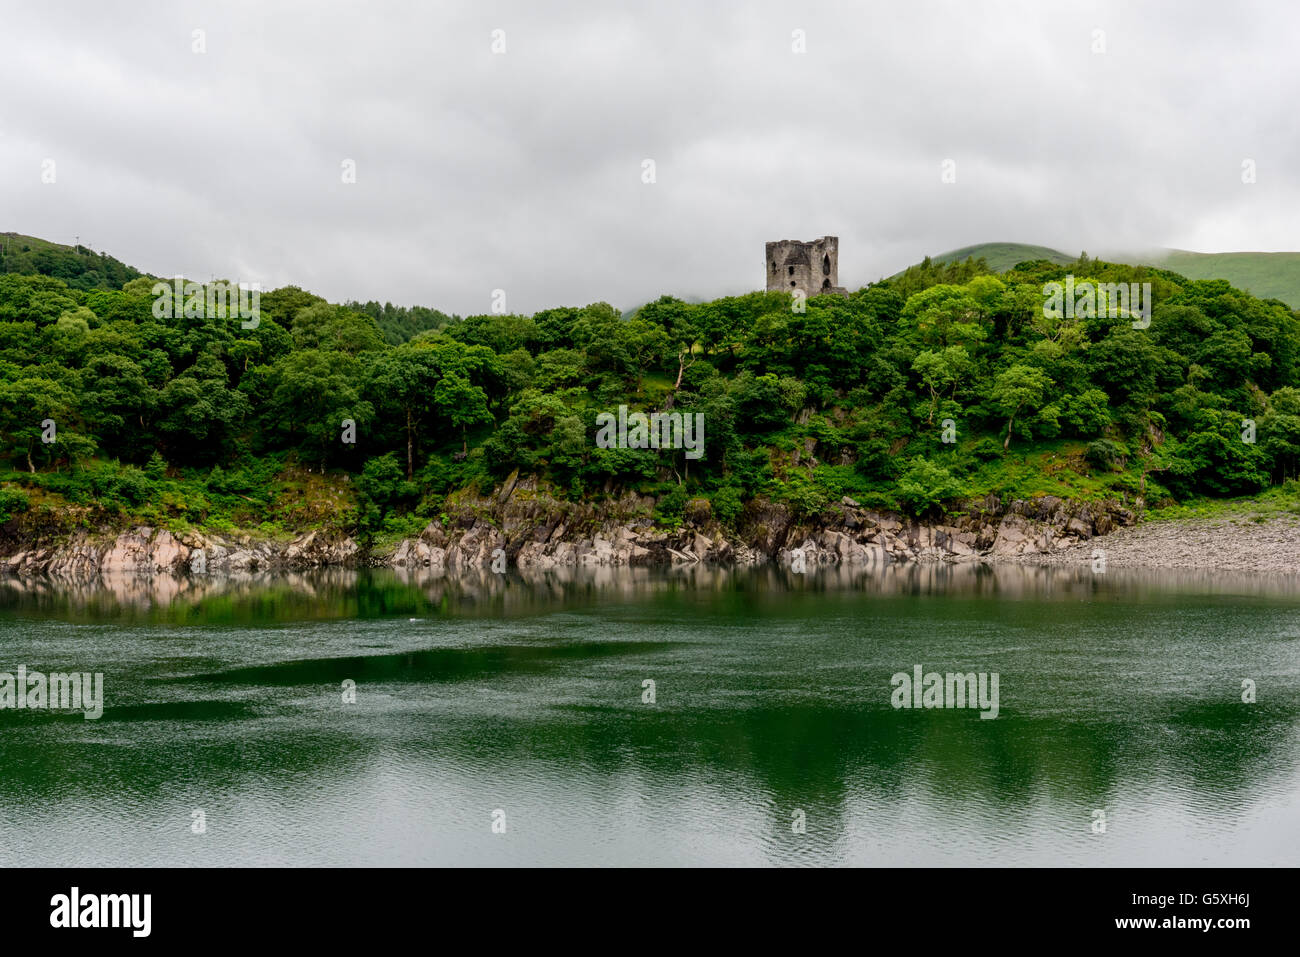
{"x":803,"y":402}
{"x":1020,"y":388}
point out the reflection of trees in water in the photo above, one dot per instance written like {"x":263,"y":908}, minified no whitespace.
{"x":262,"y":726}
{"x":793,"y":754}
{"x":828,"y":760}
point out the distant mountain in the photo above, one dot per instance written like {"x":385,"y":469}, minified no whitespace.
{"x":1266,"y":275}
{"x":1002,"y":256}
{"x":82,"y":268}
{"x":78,"y":266}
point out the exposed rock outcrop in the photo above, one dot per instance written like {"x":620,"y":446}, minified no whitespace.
{"x":522,"y":526}
{"x":531,"y":530}
{"x":148,"y":551}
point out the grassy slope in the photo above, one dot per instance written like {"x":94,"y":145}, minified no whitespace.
{"x":14,"y":241}
{"x":1266,"y":275}
{"x":1002,"y":256}
{"x":81,"y":267}
{"x":1282,"y":501}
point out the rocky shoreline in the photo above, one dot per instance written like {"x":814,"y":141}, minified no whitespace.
{"x":1223,"y":544}
{"x":520,"y":526}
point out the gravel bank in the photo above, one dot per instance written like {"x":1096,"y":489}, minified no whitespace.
{"x":1227,"y":544}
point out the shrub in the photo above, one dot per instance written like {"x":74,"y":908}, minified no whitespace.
{"x":156,"y":468}
{"x":923,"y":485}
{"x":1106,"y":454}
{"x":12,"y":502}
{"x":728,"y":502}
{"x":382,"y":489}
{"x":671,"y":505}
{"x":802,"y":496}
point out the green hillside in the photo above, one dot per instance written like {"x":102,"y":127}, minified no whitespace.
{"x":82,"y":268}
{"x":1003,"y":256}
{"x":942,"y":386}
{"x":78,"y":266}
{"x":1265,"y":275}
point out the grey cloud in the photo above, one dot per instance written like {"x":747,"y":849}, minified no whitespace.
{"x":522,"y":171}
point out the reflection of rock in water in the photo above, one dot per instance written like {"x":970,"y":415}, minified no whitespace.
{"x":327,"y":593}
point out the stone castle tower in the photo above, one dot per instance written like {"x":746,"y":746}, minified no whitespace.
{"x":813,"y":268}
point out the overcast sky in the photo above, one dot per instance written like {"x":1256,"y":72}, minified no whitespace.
{"x":523,"y":170}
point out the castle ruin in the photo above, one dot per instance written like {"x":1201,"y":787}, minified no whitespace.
{"x":812,"y":268}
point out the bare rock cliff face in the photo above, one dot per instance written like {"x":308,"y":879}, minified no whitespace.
{"x":534,"y":531}
{"x":148,"y":551}
{"x":521,"y":526}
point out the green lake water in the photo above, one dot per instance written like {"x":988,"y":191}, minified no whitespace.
{"x":497,"y":698}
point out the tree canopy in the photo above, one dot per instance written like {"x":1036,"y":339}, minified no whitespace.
{"x":943,"y":382}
